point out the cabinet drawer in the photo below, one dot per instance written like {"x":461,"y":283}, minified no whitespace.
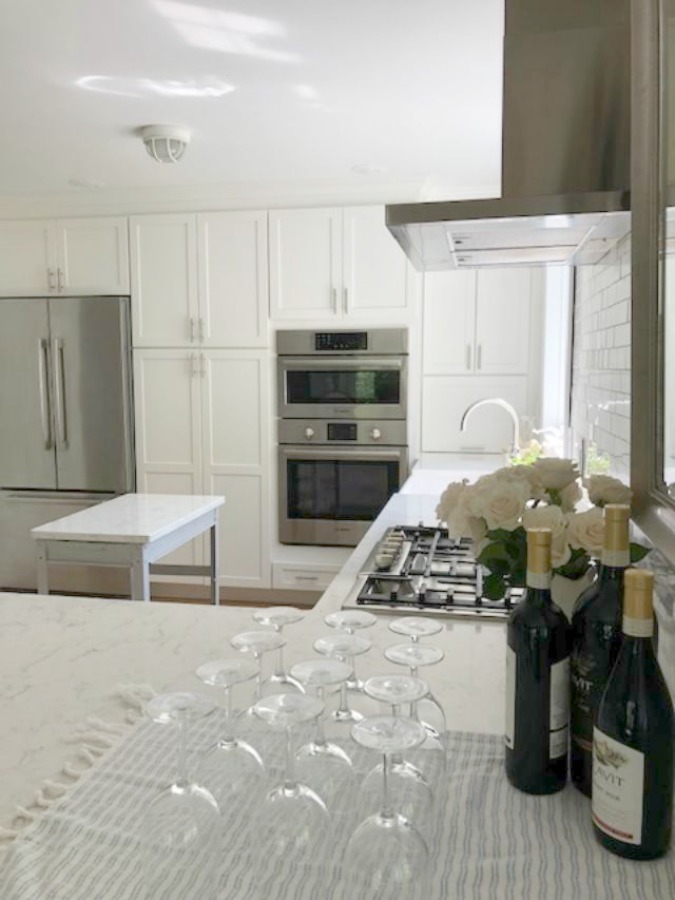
{"x":303,"y":578}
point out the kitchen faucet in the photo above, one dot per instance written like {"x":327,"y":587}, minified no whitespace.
{"x":497,"y":401}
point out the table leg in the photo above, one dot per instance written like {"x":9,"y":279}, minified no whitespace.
{"x":42,"y":578}
{"x":215,"y":568}
{"x":140,"y":577}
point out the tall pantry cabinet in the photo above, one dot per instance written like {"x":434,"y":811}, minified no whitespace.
{"x":201,"y":368}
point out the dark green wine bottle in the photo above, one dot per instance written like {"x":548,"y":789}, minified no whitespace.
{"x":596,"y":639}
{"x":633,"y":758}
{"x":537,"y":679}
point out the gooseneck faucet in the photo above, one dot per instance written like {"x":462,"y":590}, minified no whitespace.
{"x":496,"y":401}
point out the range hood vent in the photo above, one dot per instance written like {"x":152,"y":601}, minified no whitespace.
{"x":565,"y":148}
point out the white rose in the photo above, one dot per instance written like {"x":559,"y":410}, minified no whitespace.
{"x":449,"y":499}
{"x":453,"y":509}
{"x":604,"y":489}
{"x":570,"y":496}
{"x":555,"y":474}
{"x":500,"y":503}
{"x":551,"y":517}
{"x":586,"y":530}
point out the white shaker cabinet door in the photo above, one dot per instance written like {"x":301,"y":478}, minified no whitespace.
{"x":27,"y":259}
{"x":305,"y":263}
{"x":503,"y":312}
{"x":164,"y":303}
{"x":236,"y":419}
{"x":167,"y":389}
{"x":233,"y":279}
{"x":489,"y":429}
{"x":449,"y":323}
{"x":375,"y":268}
{"x":93,"y":256}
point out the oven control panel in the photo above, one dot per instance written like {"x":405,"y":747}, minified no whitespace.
{"x":388,"y":433}
{"x":328,"y":341}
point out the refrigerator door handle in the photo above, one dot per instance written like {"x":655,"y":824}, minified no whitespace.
{"x":43,"y":377}
{"x":59,"y":396}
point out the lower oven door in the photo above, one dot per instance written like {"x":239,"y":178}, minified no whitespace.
{"x":329,"y":496}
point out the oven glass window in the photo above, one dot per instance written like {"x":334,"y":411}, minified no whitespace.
{"x":340,"y":489}
{"x":382,"y":386}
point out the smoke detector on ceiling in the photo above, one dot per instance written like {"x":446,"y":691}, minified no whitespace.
{"x":165,"y":143}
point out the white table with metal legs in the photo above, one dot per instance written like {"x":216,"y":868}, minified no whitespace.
{"x":133,"y":530}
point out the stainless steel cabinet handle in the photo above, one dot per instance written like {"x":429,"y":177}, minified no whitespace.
{"x":193,"y":361}
{"x":306,"y":577}
{"x":345,"y":295}
{"x":193,"y":329}
{"x":60,"y":395}
{"x":334,"y":297}
{"x":59,"y":279}
{"x":201,"y":329}
{"x":51,"y":283}
{"x":45,"y":410}
{"x":468,"y":356}
{"x":479,"y":357}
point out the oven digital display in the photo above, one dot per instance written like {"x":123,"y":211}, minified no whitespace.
{"x":341,"y":431}
{"x":340,"y":340}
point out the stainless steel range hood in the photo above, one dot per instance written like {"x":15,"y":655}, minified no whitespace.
{"x":565,"y":148}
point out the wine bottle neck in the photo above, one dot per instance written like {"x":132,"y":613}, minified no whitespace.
{"x":538,"y":580}
{"x":637,"y":628}
{"x":615,"y":559}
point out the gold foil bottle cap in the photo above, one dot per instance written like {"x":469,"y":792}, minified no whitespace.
{"x":616,"y":520}
{"x":638,"y":600}
{"x":539,"y":550}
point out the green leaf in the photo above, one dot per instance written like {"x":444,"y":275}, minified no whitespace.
{"x":576,"y":567}
{"x":494,"y":587}
{"x":638,"y":552}
{"x":501,"y":534}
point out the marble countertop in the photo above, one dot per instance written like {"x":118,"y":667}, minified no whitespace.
{"x":131,"y":518}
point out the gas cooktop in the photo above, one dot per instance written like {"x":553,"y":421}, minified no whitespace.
{"x":425,"y":570}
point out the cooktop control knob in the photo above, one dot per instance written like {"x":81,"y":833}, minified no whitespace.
{"x":309,"y":433}
{"x":376,"y":434}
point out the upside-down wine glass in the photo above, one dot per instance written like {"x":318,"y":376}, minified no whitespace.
{"x":278,"y":617}
{"x":350,"y":621}
{"x":257,"y":643}
{"x":292,"y":815}
{"x":179,"y":826}
{"x":231,"y":765}
{"x":415,"y":655}
{"x":386,"y":853}
{"x":343,"y":647}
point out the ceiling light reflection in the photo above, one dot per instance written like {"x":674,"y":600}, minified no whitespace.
{"x":224,"y":32}
{"x":140,"y":87}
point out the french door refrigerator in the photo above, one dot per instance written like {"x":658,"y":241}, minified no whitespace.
{"x":66,"y":421}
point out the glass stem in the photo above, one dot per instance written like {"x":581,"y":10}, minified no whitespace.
{"x":413,"y":705}
{"x":228,"y":725}
{"x":280,"y":672}
{"x":258,"y":680}
{"x":182,"y":774}
{"x":387,"y":811}
{"x":320,"y":739}
{"x":344,"y":703}
{"x":289,"y":782}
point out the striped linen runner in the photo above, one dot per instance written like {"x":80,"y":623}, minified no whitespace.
{"x":487,"y":841}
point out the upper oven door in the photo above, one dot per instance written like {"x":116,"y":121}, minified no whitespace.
{"x":340,"y":388}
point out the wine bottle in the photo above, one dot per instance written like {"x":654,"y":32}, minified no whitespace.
{"x":632,"y":802}
{"x":596,"y":638}
{"x":537,"y":679}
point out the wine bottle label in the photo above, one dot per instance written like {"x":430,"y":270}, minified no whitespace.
{"x":618,"y":788}
{"x":616,"y":559}
{"x":540,"y":580}
{"x":559,"y":708}
{"x":509,"y":733}
{"x":638,"y":627}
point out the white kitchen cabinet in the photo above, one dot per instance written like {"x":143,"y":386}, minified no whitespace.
{"x":489,"y":429}
{"x":64,"y":256}
{"x":336,"y":264}
{"x":202,"y":427}
{"x":305,"y":577}
{"x":199,"y":280}
{"x":479,"y":321}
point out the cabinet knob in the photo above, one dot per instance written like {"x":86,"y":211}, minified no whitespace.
{"x":376,"y":434}
{"x":51,"y":282}
{"x":309,"y":433}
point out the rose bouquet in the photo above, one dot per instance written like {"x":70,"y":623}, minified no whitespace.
{"x":497,"y":509}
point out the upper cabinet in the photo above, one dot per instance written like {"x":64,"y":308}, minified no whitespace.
{"x":199,"y":280}
{"x":478,"y":322}
{"x":336,"y":264}
{"x":64,"y":256}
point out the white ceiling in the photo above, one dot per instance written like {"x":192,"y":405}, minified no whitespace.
{"x":292,"y":91}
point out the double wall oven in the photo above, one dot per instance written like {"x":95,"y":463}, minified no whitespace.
{"x":342,"y":431}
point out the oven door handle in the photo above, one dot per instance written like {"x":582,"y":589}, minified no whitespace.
{"x":364,"y":363}
{"x":376,"y":454}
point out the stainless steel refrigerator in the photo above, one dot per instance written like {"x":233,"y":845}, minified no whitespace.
{"x":66,"y":422}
